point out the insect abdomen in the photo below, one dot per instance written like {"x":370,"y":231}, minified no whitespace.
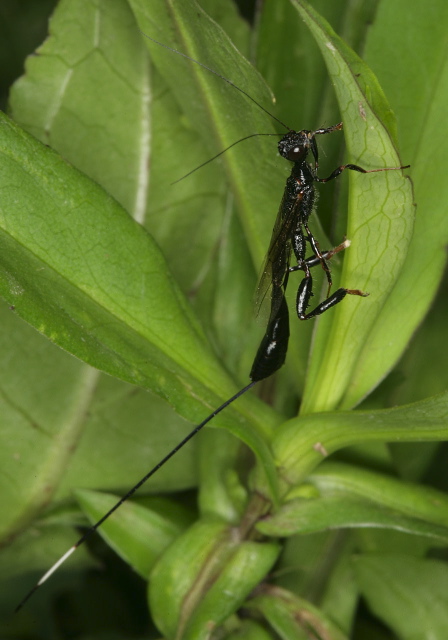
{"x":272,"y":351}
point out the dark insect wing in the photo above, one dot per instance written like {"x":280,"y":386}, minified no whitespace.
{"x":276,"y":263}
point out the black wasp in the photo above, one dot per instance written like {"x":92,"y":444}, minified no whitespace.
{"x":291,"y":234}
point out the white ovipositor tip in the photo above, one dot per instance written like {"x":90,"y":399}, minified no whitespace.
{"x":56,"y":565}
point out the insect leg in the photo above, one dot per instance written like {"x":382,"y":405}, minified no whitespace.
{"x":335,"y":127}
{"x":327,"y":255}
{"x":354,"y":167}
{"x":305,"y":292}
{"x":317,"y":253}
{"x":313,"y":145}
{"x":272,"y":351}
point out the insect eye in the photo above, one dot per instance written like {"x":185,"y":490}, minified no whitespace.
{"x":297,"y":153}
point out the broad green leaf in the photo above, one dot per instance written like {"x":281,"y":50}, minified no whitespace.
{"x":380,"y":208}
{"x":301,"y":444}
{"x":95,"y":303}
{"x":419,"y":92}
{"x":37,"y":433}
{"x":137,"y":533}
{"x":87,"y":296}
{"x":92,"y":95}
{"x":408,"y":594}
{"x":350,"y":497}
{"x":57,"y":49}
{"x":417,"y":501}
{"x":64,"y":426}
{"x":379,"y":541}
{"x":338,"y":512}
{"x":92,"y":90}
{"x":135,"y":428}
{"x":292,"y":64}
{"x":64,"y":80}
{"x":210,"y":104}
{"x":52,"y":401}
{"x":58,"y":100}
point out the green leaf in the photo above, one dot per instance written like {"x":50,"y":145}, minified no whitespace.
{"x":94,"y":95}
{"x":303,"y":566}
{"x":380,"y":223}
{"x":417,"y":501}
{"x":407,"y":594}
{"x":246,"y":568}
{"x":250,"y":630}
{"x":340,"y":600}
{"x":208,"y":102}
{"x":59,"y":101}
{"x":22,"y":564}
{"x":222,"y":492}
{"x":96,"y":285}
{"x":419,"y":92}
{"x":339,"y":512}
{"x":293,"y":618}
{"x":66,"y":98}
{"x":137,"y":429}
{"x":37,"y":434}
{"x":301,"y":444}
{"x":59,"y":245}
{"x":204,"y":577}
{"x":138,"y":534}
{"x":350,"y":497}
{"x":98,"y":304}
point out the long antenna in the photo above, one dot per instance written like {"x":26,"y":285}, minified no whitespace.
{"x":131,"y":492}
{"x":252,"y":135}
{"x":232,"y":84}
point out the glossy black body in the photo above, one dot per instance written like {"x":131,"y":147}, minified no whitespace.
{"x":291,"y":235}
